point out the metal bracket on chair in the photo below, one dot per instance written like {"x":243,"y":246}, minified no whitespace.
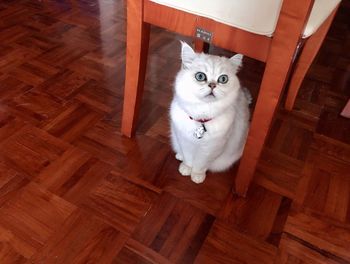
{"x":204,"y":34}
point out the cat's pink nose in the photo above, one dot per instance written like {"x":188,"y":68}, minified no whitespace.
{"x":212,"y":85}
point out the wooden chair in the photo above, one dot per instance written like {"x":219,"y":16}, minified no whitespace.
{"x":278,"y":52}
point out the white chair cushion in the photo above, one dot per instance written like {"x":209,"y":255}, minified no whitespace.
{"x":256,"y":16}
{"x":319,"y":13}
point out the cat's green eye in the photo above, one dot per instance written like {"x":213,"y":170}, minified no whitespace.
{"x":200,"y":76}
{"x":223,"y":78}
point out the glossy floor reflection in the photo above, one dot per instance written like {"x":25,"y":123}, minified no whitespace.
{"x":73,"y":190}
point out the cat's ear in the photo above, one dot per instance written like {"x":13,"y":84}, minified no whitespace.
{"x":236,"y":60}
{"x":187,"y":54}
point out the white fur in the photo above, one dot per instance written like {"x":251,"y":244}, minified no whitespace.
{"x":223,"y":143}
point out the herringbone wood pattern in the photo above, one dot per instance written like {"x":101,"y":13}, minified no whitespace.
{"x":73,"y":190}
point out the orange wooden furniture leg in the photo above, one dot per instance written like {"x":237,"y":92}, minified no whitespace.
{"x":278,"y":64}
{"x":201,"y":46}
{"x":136,"y":59}
{"x":307,"y":55}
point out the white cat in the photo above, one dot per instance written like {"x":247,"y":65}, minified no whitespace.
{"x":209,"y":114}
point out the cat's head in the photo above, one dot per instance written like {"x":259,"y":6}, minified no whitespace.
{"x":206,"y":78}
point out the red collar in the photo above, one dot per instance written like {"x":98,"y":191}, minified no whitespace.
{"x":200,"y":120}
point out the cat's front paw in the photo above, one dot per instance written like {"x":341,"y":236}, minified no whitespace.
{"x":179,"y":157}
{"x":184,"y":169}
{"x":198,"y":177}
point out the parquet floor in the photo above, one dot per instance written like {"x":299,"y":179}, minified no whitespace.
{"x":73,"y":190}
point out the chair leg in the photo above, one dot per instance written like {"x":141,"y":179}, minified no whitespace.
{"x":307,"y":55}
{"x":136,"y":60}
{"x":278,"y":64}
{"x":201,"y":46}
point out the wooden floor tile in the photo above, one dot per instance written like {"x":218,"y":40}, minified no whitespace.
{"x":325,"y":188}
{"x":38,"y":42}
{"x":208,"y":196}
{"x":105,"y":142}
{"x":226,"y":245}
{"x":313,"y":93}
{"x":12,"y":87}
{"x":160,"y":130}
{"x":57,"y":30}
{"x":93,"y":94}
{"x":32,"y":149}
{"x":73,"y":175}
{"x":306,"y":108}
{"x":135,"y":252}
{"x":35,"y":106}
{"x":294,"y":252}
{"x":174,"y":228}
{"x":109,"y":53}
{"x":87,"y":39}
{"x":106,"y":153}
{"x":10,"y":182}
{"x":321,"y":73}
{"x":41,"y":22}
{"x":127,"y":256}
{"x":291,"y":135}
{"x":331,"y":147}
{"x":321,"y":211}
{"x":92,"y":69}
{"x":325,"y":234}
{"x":279,"y":172}
{"x":78,"y":17}
{"x":71,"y":123}
{"x":12,"y":33}
{"x":119,"y":202}
{"x":8,"y":255}
{"x":9,"y":124}
{"x":15,"y":57}
{"x":146,"y":160}
{"x":31,"y":217}
{"x":64,"y":85}
{"x":334,"y":126}
{"x":246,"y":213}
{"x":74,"y":190}
{"x":82,"y":238}
{"x":33,"y":72}
{"x":283,"y":158}
{"x":149,"y":115}
{"x":62,"y":55}
{"x":280,"y":221}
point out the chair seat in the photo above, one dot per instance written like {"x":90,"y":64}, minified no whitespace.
{"x":256,"y":16}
